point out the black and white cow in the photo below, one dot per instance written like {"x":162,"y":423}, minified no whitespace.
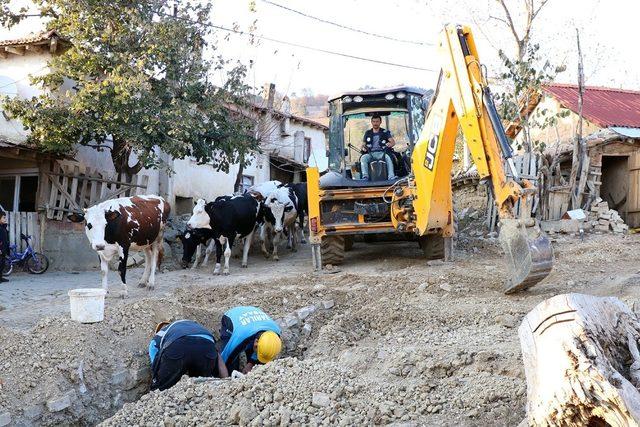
{"x":199,"y":219}
{"x":117,"y":226}
{"x":302,"y":204}
{"x":279,"y":220}
{"x":227,"y":218}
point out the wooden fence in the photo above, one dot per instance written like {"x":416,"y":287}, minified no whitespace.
{"x":27,"y":224}
{"x":70,"y":188}
{"x":527,"y":167}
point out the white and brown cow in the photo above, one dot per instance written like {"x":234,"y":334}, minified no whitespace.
{"x":127,"y":224}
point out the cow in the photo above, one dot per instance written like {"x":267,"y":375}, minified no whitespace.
{"x":200,"y":219}
{"x":228,"y":217}
{"x":127,"y":224}
{"x":262,"y":190}
{"x":302,"y":206}
{"x":279,"y":218}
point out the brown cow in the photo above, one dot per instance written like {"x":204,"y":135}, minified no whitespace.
{"x":129,"y":223}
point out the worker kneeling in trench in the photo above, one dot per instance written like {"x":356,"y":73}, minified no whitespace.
{"x":252,"y":331}
{"x":183,"y":347}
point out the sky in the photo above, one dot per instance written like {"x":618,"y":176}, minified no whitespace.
{"x":608,"y":44}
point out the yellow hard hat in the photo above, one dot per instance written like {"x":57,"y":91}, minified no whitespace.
{"x":269,"y":346}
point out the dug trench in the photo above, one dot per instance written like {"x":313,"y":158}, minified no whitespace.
{"x":389,"y":339}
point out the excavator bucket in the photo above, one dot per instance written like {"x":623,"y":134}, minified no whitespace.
{"x":529,"y":254}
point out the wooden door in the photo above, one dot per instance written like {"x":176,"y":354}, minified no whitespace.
{"x":633,"y":198}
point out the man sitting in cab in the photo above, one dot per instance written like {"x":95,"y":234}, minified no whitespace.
{"x":374,"y":143}
{"x":249,"y":330}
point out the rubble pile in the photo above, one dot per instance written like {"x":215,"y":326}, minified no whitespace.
{"x":604,"y":219}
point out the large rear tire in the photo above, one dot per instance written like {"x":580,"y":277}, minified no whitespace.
{"x":348,"y":243}
{"x":332,"y":250}
{"x":432,"y":246}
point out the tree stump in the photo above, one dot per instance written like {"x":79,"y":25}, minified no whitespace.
{"x":581,"y":362}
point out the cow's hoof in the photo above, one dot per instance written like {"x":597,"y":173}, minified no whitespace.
{"x":123,"y":295}
{"x":226,"y":272}
{"x":216,"y":273}
{"x":142,"y":285}
{"x":151,"y":287}
{"x":275,"y":258}
{"x":244,"y":265}
{"x":304,"y":242}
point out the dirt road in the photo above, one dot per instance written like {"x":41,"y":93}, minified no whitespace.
{"x":400,"y":341}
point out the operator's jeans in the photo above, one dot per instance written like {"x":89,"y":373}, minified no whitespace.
{"x":377,"y":155}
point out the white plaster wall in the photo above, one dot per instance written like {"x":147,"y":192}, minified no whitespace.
{"x":202,"y":181}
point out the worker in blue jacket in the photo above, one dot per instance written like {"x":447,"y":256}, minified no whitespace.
{"x":183,"y":347}
{"x":252,"y":331}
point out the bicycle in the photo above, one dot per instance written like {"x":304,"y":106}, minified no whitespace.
{"x":34,"y":262}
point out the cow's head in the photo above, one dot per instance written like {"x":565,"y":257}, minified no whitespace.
{"x":279,"y":209}
{"x":199,"y":217}
{"x":190,"y":240}
{"x":98,"y":221}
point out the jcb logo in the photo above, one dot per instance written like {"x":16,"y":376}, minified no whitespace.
{"x":432,"y":147}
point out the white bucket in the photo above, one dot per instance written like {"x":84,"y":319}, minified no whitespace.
{"x":87,"y":305}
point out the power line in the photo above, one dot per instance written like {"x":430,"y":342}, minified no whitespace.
{"x":345,"y":27}
{"x":287,"y":43}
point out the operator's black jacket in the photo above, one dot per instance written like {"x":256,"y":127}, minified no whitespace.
{"x":4,"y":240}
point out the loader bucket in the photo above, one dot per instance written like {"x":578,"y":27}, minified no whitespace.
{"x":529,"y":254}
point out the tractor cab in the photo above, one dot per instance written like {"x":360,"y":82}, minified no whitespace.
{"x":402,"y":110}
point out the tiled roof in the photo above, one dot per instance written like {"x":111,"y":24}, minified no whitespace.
{"x":31,"y":39}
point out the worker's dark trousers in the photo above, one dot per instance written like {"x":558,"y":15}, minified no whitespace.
{"x":194,"y":356}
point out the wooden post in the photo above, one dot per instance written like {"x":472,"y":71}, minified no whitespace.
{"x":581,"y":362}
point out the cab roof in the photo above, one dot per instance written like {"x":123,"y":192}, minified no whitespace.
{"x":364,"y":92}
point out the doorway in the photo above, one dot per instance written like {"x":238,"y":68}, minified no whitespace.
{"x":615,"y":183}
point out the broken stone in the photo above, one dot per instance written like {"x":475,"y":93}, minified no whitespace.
{"x":5,"y":419}
{"x":320,"y":400}
{"x":290,"y":321}
{"x":446,"y":287}
{"x":32,"y":412}
{"x":306,"y":329}
{"x":327,"y":304}
{"x":119,"y":377}
{"x":59,"y":404}
{"x":305,"y":312}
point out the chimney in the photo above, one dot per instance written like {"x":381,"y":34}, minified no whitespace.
{"x":269,"y":94}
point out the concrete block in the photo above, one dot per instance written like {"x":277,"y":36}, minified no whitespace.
{"x":305,"y":312}
{"x":603,"y":222}
{"x":320,"y":400}
{"x":601,"y":227}
{"x":5,"y":419}
{"x":568,"y":226}
{"x":59,"y":403}
{"x":328,"y":304}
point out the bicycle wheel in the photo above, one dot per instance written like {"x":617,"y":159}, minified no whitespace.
{"x":8,"y":268}
{"x":37,"y":263}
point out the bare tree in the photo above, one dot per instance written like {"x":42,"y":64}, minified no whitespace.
{"x":522,"y":36}
{"x":580,"y":164}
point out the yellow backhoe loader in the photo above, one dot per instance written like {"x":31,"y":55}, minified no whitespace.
{"x":416,"y":204}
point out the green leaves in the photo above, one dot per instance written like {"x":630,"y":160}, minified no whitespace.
{"x":523,"y":81}
{"x":137,"y":76}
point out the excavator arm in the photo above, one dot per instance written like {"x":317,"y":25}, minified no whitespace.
{"x":463,"y":101}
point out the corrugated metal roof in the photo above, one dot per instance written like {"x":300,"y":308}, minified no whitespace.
{"x":605,"y":107}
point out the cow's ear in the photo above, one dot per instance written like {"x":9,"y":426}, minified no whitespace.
{"x":76,"y":217}
{"x":111,"y":215}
